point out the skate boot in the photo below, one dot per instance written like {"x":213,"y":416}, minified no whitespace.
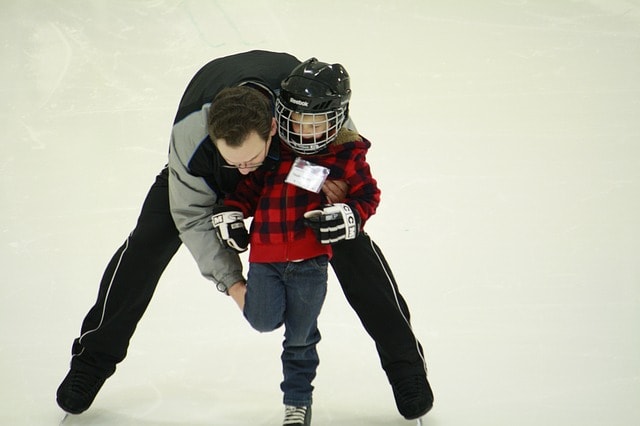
{"x":78,"y":390}
{"x":413,"y":396}
{"x":296,"y":416}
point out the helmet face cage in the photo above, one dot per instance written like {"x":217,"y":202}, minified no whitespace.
{"x":308,"y":133}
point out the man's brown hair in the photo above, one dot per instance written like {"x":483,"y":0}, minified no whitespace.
{"x":236,"y":112}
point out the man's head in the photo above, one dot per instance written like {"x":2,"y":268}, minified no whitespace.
{"x":241,"y":125}
{"x":313,"y":105}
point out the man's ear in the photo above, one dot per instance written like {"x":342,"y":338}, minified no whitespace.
{"x":274,"y":126}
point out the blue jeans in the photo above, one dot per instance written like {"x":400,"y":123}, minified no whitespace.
{"x":290,"y":293}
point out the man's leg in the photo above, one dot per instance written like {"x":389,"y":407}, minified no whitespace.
{"x":125,"y":291}
{"x":372,"y":292}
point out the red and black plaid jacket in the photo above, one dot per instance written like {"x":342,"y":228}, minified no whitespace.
{"x":278,"y":233}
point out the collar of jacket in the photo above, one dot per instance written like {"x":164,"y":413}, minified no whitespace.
{"x":273,"y":156}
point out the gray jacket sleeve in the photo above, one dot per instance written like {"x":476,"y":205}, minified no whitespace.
{"x":192,"y":201}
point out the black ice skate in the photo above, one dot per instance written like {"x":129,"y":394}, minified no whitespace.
{"x":78,"y":390}
{"x":296,"y":416}
{"x":413,"y":395}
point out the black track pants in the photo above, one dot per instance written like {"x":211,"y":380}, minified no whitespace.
{"x":128,"y":284}
{"x":371,"y":290}
{"x":132,"y":275}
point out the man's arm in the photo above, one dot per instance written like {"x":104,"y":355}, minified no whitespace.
{"x":192,"y":202}
{"x":237,"y":292}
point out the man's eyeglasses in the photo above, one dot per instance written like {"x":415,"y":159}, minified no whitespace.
{"x":242,"y":166}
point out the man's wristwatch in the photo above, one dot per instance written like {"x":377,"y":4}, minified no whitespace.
{"x":222,"y":288}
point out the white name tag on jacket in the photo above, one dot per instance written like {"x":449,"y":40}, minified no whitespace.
{"x":306,"y":175}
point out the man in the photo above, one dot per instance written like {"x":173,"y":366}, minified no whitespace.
{"x":197,"y":176}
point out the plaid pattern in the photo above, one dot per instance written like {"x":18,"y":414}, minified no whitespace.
{"x":278,"y":233}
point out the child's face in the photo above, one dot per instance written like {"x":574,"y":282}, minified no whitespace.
{"x":309,"y":126}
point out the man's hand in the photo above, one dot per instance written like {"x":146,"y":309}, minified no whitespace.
{"x":229,"y":225}
{"x":335,"y":190}
{"x":237,"y":292}
{"x":333,"y":223}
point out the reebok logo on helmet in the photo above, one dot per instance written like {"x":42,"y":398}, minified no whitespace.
{"x":298,"y":102}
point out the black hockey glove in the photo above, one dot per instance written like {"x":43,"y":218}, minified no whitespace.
{"x":335,"y":222}
{"x":229,"y":226}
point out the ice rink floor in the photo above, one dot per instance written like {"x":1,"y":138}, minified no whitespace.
{"x":506,"y":143}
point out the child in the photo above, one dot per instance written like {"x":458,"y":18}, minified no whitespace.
{"x":290,"y":239}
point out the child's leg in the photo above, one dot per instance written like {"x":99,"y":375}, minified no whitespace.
{"x":306,"y":288}
{"x":265,"y":297}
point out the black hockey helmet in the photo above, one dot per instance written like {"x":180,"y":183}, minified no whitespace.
{"x":318,"y":94}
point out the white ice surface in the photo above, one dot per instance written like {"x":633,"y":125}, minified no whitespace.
{"x":507,"y":145}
